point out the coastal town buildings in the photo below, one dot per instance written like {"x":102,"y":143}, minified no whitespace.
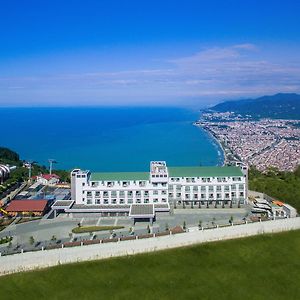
{"x":142,"y":194}
{"x":261,"y":143}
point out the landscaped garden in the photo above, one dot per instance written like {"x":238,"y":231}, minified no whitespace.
{"x":261,"y":267}
{"x":83,"y":229}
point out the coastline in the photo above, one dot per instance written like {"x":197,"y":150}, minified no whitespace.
{"x":217,"y":142}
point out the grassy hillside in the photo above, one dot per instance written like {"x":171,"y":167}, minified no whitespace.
{"x":262,"y":267}
{"x":284,"y":186}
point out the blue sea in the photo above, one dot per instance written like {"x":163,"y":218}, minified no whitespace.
{"x":108,"y":139}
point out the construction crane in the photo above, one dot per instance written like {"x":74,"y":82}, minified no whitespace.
{"x":51,"y":162}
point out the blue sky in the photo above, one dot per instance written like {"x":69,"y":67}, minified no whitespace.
{"x":146,"y":52}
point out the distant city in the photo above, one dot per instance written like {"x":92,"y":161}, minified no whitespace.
{"x":261,"y":143}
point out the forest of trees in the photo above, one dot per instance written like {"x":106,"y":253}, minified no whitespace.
{"x":284,"y":186}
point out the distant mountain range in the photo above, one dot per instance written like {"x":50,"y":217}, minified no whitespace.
{"x":279,"y":106}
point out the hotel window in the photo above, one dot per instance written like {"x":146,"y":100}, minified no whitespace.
{"x":233,"y":187}
{"x":203,"y":196}
{"x":125,"y":183}
{"x":187,"y":189}
{"x":142,"y":183}
{"x":187,"y":196}
{"x":196,"y":196}
{"x":211,"y":196}
{"x":164,"y":192}
{"x":129,"y":201}
{"x":155,"y":192}
{"x":138,"y":200}
{"x":241,"y":187}
{"x":146,"y":193}
{"x":178,"y":187}
{"x":105,"y":194}
{"x":89,"y":194}
{"x":83,"y":184}
{"x":146,"y":200}
{"x":241,"y":194}
{"x":219,"y":179}
{"x":203,"y":179}
{"x":178,"y":195}
{"x":122,"y":193}
{"x":224,"y":179}
{"x":98,"y":201}
{"x":114,"y":201}
{"x":164,"y":184}
{"x":218,"y":196}
{"x":203,"y":188}
{"x":105,"y":201}
{"x":164,"y":200}
{"x":210,"y":189}
{"x":219,"y":188}
{"x":171,"y":195}
{"x":195,"y":189}
{"x":226,"y":188}
{"x":97,"y":194}
{"x":226,"y":195}
{"x":129,"y":193}
{"x":155,"y":200}
{"x":110,"y":184}
{"x":122,"y":201}
{"x":89,"y":201}
{"x":208,"y":180}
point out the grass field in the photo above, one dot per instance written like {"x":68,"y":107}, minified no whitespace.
{"x":83,"y":229}
{"x":262,"y":267}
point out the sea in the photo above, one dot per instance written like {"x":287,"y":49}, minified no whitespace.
{"x":110,"y":138}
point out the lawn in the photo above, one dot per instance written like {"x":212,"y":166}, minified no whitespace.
{"x":83,"y":229}
{"x":262,"y":267}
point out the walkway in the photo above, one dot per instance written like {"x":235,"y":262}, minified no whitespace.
{"x":47,"y":258}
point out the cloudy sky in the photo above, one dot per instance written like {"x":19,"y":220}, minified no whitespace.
{"x":151,"y":53}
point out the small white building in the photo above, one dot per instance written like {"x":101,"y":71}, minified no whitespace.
{"x":47,"y":179}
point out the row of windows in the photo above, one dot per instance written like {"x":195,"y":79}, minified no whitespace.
{"x":209,"y":188}
{"x":205,"y":196}
{"x":123,"y":201}
{"x":204,"y":179}
{"x":124,"y":193}
{"x":124,"y":183}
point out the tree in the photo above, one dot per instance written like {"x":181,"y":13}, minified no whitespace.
{"x":231,"y":220}
{"x":167,"y":226}
{"x":184,"y":225}
{"x":148,"y":229}
{"x":200,"y":224}
{"x":31,"y":240}
{"x":53,"y":239}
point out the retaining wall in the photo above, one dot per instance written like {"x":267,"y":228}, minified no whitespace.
{"x":42,"y":259}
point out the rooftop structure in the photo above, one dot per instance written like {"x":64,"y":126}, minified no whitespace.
{"x":37,"y":207}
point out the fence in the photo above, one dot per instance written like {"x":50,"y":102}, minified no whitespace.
{"x":42,"y":259}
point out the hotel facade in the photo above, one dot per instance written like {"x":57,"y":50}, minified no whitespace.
{"x":145,"y":193}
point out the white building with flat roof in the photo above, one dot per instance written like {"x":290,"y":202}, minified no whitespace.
{"x":127,"y":192}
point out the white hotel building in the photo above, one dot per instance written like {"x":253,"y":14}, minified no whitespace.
{"x":142,"y":194}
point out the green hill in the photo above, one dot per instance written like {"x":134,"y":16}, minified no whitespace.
{"x":279,"y":106}
{"x":261,"y":267}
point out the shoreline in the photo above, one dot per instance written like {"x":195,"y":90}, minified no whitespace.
{"x":216,"y":142}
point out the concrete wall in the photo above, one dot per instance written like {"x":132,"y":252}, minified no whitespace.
{"x":42,"y":259}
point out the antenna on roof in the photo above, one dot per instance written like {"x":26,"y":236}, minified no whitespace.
{"x":51,"y":162}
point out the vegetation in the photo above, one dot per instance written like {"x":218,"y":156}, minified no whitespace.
{"x":6,"y":239}
{"x":82,"y":229}
{"x":232,"y":270}
{"x":8,"y":156}
{"x":279,"y":106}
{"x":284,"y":186}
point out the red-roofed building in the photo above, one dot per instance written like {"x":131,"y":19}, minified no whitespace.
{"x":27,"y":207}
{"x":47,"y":179}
